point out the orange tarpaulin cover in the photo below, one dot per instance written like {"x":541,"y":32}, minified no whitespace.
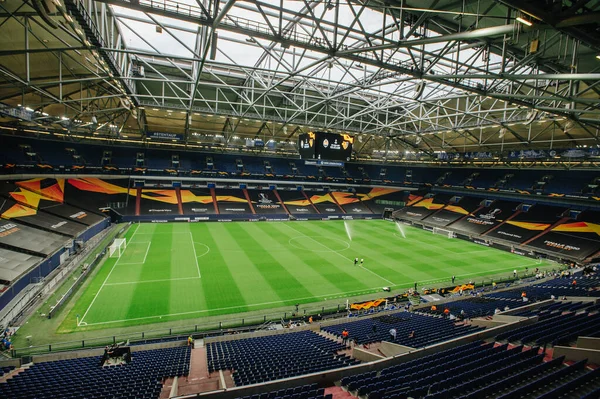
{"x":464,"y":287}
{"x":367,"y":305}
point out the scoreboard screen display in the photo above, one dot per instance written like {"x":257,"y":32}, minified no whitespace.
{"x":323,"y":145}
{"x":333,"y":146}
{"x":306,"y":145}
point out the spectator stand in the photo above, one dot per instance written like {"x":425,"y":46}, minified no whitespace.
{"x":84,"y":377}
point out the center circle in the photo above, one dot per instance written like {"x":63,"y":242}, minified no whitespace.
{"x":319,"y":243}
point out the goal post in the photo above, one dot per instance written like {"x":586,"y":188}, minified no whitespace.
{"x":444,"y":232}
{"x":116,"y":249}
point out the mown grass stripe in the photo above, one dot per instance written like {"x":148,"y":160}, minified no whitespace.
{"x":269,"y":267}
{"x":219,"y":285}
{"x":338,"y":277}
{"x":252,"y":266}
{"x":377,"y":256}
{"x":155,"y":298}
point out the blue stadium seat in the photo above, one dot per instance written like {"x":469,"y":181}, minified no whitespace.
{"x":261,"y":359}
{"x":85,"y":378}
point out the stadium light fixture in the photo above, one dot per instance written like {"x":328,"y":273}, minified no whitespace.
{"x":524,"y":21}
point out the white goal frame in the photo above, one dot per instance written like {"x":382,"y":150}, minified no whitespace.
{"x":444,"y":232}
{"x":116,"y":249}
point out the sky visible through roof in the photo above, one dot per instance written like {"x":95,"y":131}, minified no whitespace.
{"x":179,"y":39}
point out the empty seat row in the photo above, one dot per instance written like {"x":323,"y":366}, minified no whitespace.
{"x":84,"y":378}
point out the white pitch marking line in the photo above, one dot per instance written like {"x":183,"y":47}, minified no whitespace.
{"x":472,"y":252}
{"x":348,"y":259}
{"x":153,"y":281}
{"x":204,"y":245}
{"x":235,"y":307}
{"x":196,"y":255}
{"x":146,"y":254}
{"x":494,"y":270}
{"x":135,"y":232}
{"x":340,"y":294}
{"x":104,"y":283}
{"x":161,"y":233}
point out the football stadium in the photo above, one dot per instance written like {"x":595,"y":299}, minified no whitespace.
{"x":299,"y":199}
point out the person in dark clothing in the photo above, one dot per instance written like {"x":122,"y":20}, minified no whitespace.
{"x":453,"y":278}
{"x":104,"y":357}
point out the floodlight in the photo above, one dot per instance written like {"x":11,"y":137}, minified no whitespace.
{"x":524,"y":21}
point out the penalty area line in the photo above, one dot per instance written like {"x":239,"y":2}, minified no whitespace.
{"x":153,"y":281}
{"x":104,"y":282}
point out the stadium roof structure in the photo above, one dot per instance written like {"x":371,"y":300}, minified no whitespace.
{"x":401,"y":75}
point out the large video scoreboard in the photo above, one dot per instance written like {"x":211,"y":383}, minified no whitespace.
{"x":323,"y":145}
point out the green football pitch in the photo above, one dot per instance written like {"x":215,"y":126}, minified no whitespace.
{"x":173,"y":271}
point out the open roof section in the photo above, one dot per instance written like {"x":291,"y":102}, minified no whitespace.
{"x":439,"y":75}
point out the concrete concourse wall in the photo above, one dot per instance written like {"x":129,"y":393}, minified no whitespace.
{"x":577,"y":354}
{"x":99,"y":351}
{"x":588,"y":343}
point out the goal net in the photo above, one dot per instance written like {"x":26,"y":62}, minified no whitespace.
{"x":116,"y":249}
{"x":444,"y":232}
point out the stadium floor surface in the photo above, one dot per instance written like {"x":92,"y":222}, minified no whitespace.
{"x":173,"y":271}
